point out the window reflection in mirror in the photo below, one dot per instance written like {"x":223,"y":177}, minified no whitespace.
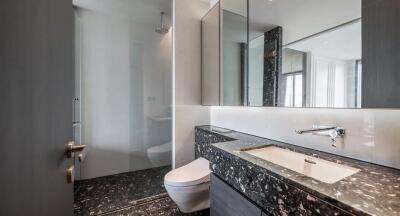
{"x":305,"y":53}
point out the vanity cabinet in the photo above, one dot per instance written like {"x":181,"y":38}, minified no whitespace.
{"x":242,"y":184}
{"x":227,"y":201}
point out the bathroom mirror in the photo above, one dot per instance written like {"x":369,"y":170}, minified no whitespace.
{"x":233,"y":52}
{"x":305,"y":53}
{"x":224,"y":82}
{"x":210,"y":58}
{"x":310,"y":53}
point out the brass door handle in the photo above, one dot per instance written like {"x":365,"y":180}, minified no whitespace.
{"x":72,"y":148}
{"x":70,"y":174}
{"x":80,"y":157}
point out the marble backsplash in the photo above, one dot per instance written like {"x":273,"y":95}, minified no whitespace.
{"x":372,"y":135}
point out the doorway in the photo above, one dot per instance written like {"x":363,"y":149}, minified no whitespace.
{"x":122,"y":104}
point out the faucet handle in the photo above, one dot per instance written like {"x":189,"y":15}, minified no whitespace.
{"x":341,"y":131}
{"x":333,"y":134}
{"x":337,"y":132}
{"x":333,"y":142}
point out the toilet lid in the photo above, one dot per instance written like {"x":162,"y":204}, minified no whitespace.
{"x":193,"y":173}
{"x":166,"y":147}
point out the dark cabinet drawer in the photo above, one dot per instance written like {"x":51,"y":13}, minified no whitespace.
{"x":227,"y":201}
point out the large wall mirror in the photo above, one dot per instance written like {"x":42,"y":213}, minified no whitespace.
{"x":305,"y":53}
{"x":309,"y":53}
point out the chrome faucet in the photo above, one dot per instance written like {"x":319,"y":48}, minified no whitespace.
{"x":332,"y":132}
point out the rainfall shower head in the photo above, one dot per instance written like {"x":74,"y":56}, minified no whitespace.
{"x":162,"y":29}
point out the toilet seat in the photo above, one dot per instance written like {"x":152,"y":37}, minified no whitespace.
{"x":194,"y":173}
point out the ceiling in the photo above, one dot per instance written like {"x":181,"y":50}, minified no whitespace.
{"x":341,"y":43}
{"x":235,"y":6}
{"x":300,"y":19}
{"x":144,"y":11}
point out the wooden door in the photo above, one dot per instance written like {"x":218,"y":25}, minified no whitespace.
{"x":36,"y":91}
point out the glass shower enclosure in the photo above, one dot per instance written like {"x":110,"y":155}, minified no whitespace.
{"x":123,"y":85}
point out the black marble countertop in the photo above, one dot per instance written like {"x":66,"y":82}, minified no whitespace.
{"x":374,"y":190}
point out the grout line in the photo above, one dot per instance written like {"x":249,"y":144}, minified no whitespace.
{"x":137,"y":203}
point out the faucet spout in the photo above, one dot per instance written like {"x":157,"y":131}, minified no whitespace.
{"x":332,"y":132}
{"x":315,"y":130}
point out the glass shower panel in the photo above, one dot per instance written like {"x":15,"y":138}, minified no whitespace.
{"x":125,"y":85}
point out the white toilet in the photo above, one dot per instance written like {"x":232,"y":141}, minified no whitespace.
{"x":188,"y":186}
{"x":160,"y":155}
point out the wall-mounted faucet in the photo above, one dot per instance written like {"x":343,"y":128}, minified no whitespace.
{"x":332,"y":131}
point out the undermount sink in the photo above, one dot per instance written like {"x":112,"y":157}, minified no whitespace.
{"x":319,"y":169}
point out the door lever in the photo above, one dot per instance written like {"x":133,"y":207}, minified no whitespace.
{"x":70,"y":174}
{"x":72,"y":148}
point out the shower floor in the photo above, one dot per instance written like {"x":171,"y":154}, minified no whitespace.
{"x":101,"y":195}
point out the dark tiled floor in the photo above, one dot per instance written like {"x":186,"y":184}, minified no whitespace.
{"x":160,"y":207}
{"x":110,"y":193}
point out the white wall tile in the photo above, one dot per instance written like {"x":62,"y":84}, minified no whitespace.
{"x":371,"y":135}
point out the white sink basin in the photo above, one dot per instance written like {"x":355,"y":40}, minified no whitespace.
{"x":319,"y":169}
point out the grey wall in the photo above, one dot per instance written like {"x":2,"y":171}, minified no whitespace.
{"x":381,"y":54}
{"x":188,"y":111}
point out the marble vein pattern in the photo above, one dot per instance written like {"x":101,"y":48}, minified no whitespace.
{"x":272,"y":66}
{"x":110,"y":193}
{"x":204,"y":140}
{"x":375,"y":190}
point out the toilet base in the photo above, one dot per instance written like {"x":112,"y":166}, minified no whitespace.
{"x":190,"y":198}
